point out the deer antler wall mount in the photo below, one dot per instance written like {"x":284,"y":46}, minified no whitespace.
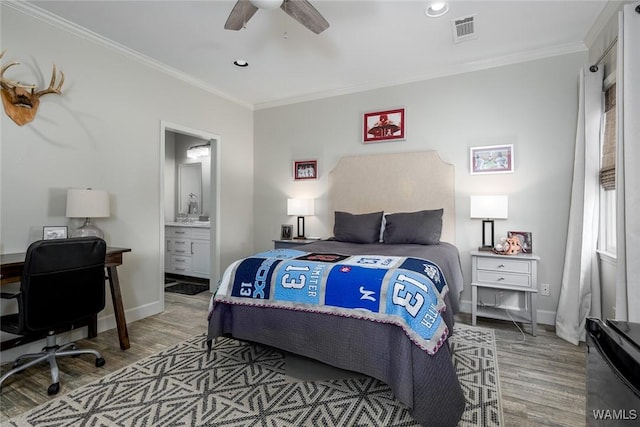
{"x":21,"y":101}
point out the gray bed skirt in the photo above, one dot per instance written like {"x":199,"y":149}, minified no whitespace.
{"x":427,"y":384}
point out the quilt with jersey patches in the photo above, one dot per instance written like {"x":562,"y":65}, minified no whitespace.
{"x":404,"y":291}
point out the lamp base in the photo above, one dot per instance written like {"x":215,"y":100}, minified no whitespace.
{"x":487,"y":235}
{"x":87,"y":230}
{"x":300,"y":228}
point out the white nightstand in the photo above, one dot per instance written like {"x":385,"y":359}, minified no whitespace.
{"x":517,"y":273}
{"x":288,"y":244}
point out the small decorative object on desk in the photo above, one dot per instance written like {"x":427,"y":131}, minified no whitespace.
{"x":54,"y":232}
{"x":286,"y":232}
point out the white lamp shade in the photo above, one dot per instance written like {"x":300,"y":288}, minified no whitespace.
{"x":87,"y":203}
{"x":489,"y":207}
{"x":300,"y":207}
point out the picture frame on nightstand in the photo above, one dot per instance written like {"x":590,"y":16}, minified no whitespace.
{"x":526,"y":241}
{"x":286,"y":232}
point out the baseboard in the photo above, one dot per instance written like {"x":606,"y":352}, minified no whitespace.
{"x":105,"y":323}
{"x":545,"y":317}
{"x":109,"y":321}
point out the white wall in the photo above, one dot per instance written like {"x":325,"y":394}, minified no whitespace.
{"x":532,"y":105}
{"x":104,"y":133}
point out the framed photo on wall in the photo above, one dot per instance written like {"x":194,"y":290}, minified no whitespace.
{"x":491,"y":159}
{"x":386,"y":125}
{"x":54,"y":232}
{"x":305,"y":169}
{"x":526,"y":241}
{"x":286,"y":232}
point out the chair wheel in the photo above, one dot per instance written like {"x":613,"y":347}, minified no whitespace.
{"x":100,"y":362}
{"x":53,"y":389}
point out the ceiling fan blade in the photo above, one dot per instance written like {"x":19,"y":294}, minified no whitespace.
{"x":304,"y":12}
{"x":240,"y":15}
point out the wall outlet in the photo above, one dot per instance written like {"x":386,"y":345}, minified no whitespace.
{"x":544,"y":289}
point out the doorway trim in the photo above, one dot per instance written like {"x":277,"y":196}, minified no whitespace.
{"x":166,"y":126}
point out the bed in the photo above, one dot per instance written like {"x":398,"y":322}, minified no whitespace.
{"x":418,"y":368}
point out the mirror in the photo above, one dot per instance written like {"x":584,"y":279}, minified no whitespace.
{"x":189,"y":182}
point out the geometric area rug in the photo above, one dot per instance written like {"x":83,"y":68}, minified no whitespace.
{"x":245,"y":384}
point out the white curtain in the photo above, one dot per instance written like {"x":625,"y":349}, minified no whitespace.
{"x":580,"y":289}
{"x":628,"y":165}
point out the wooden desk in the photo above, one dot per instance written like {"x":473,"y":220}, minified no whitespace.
{"x":11,"y":266}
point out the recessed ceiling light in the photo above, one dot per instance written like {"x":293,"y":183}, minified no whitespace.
{"x":240,"y":63}
{"x":437,"y":8}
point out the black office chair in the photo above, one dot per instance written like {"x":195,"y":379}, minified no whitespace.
{"x":62,"y":287}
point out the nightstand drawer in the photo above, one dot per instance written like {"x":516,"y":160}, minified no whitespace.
{"x":500,"y":264}
{"x":500,"y":278}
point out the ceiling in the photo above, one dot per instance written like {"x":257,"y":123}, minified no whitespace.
{"x":370,"y":43}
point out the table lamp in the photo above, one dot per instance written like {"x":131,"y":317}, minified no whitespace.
{"x":489,"y":208}
{"x":87,"y":204}
{"x":300,"y":207}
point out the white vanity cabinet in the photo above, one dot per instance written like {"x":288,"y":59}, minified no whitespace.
{"x":188,"y":250}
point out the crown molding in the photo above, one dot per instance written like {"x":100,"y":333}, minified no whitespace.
{"x":603,"y":20}
{"x":84,"y":33}
{"x":450,"y":70}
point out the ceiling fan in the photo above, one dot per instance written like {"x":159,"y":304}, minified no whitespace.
{"x":300,"y":10}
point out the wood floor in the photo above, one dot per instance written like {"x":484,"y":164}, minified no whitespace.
{"x":542,"y":380}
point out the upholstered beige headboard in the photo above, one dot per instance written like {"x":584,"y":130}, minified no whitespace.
{"x":400,"y":182}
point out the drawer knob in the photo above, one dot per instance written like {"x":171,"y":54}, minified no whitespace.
{"x":501,"y":266}
{"x":500,"y":279}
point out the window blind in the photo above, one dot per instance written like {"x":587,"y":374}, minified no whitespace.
{"x":608,"y":160}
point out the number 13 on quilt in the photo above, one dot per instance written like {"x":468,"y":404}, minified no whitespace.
{"x":412,"y":296}
{"x":299,"y":281}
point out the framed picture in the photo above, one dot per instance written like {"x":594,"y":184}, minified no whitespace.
{"x":383,"y":126}
{"x":305,"y":169}
{"x":286,"y":232}
{"x":491,"y":159}
{"x":525,"y":240}
{"x":54,"y":232}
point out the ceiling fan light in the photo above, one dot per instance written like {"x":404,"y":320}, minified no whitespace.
{"x":437,"y":8}
{"x":266,"y":4}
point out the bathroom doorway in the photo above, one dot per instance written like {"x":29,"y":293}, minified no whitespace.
{"x":190,"y":202}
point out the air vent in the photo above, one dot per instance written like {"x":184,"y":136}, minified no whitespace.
{"x":464,"y":28}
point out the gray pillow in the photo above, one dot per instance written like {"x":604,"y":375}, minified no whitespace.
{"x":422,"y":228}
{"x":363,"y":228}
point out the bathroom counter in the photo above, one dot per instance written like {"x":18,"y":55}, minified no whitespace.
{"x":193,"y":224}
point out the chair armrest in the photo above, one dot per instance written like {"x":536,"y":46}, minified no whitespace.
{"x":7,"y":295}
{"x":10,"y":290}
